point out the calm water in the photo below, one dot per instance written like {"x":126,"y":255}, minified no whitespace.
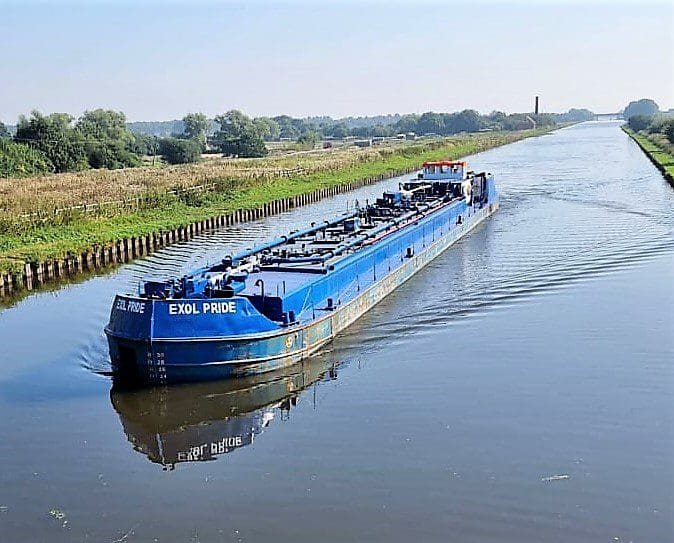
{"x":517,"y":389}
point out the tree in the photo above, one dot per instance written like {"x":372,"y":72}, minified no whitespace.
{"x":107,"y":140}
{"x":179,"y":151}
{"x":645,"y":106}
{"x":467,"y":120}
{"x":102,"y":124}
{"x":144,"y":144}
{"x":497,"y":116}
{"x":430,"y":123}
{"x":407,"y":123}
{"x":339,"y":130}
{"x":196,"y":128}
{"x":54,"y":136}
{"x":4,"y":133}
{"x":268,"y":128}
{"x":639,"y":122}
{"x":288,"y":126}
{"x":380,"y":131}
{"x":238,"y":136}
{"x":293,"y":128}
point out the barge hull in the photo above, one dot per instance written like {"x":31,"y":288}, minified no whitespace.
{"x":163,"y":360}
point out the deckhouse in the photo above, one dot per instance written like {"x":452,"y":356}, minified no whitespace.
{"x":445,"y":169}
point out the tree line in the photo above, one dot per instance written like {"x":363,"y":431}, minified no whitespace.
{"x":284,"y":127}
{"x":103,"y":139}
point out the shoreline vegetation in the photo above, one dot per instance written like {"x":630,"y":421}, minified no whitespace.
{"x":661,"y":157}
{"x":57,"y":226}
{"x":653,"y":131}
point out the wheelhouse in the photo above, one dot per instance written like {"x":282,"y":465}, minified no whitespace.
{"x":445,"y":169}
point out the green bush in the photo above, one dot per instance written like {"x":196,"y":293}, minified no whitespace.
{"x":639,"y":122}
{"x":111,"y":155}
{"x":179,"y":151}
{"x":19,"y":160}
{"x":669,"y":130}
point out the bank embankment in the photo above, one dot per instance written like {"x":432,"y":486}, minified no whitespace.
{"x":662,"y":160}
{"x":44,"y":244}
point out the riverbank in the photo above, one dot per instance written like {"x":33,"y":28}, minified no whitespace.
{"x":45,"y":245}
{"x":662,"y":160}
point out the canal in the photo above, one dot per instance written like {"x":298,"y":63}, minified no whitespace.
{"x":517,"y":389}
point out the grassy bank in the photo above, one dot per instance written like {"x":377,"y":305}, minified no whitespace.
{"x":659,"y":155}
{"x":37,"y":225}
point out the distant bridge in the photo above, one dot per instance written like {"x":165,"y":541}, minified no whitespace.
{"x":608,"y":116}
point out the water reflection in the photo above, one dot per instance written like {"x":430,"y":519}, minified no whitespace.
{"x":199,"y":422}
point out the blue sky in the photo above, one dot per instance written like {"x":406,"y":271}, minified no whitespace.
{"x":160,"y":60}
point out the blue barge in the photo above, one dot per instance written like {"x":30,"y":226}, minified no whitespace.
{"x":273,"y":305}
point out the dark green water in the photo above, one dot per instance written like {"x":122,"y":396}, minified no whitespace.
{"x":518,"y":389}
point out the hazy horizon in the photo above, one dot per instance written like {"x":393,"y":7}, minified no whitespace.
{"x":158,"y":62}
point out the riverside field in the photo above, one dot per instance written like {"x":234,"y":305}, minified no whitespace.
{"x":51,"y":217}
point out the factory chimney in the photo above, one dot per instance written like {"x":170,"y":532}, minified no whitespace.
{"x":536,"y":106}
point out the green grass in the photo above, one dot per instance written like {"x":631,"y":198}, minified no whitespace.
{"x":665,"y":159}
{"x":54,"y":241}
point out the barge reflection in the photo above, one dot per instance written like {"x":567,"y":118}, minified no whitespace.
{"x":199,"y":422}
